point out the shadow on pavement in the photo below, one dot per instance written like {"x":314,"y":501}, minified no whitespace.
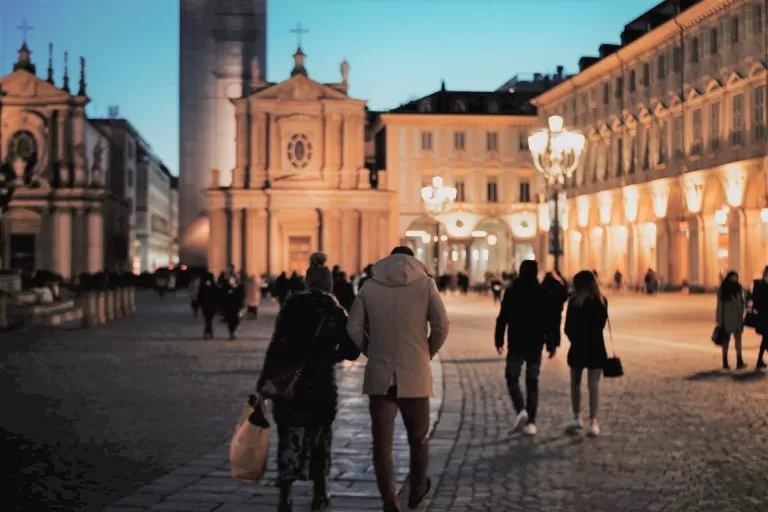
{"x":709,"y":375}
{"x":480,"y":360}
{"x":748,"y":377}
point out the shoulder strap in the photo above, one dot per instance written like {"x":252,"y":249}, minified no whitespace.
{"x":610,"y":331}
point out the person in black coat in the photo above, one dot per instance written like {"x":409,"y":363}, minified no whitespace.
{"x":522,"y":315}
{"x":233,"y":302}
{"x":208,"y":297}
{"x":555,"y":295}
{"x":311,"y":329}
{"x":584,"y":324}
{"x":343,"y":290}
{"x":760,"y":308}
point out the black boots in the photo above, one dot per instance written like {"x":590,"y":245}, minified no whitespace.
{"x":286,"y":498}
{"x":320,"y":498}
{"x":726,"y":366}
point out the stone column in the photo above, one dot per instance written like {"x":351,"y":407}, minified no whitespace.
{"x":217,"y":250}
{"x":383,"y":236}
{"x":276,"y":263}
{"x":710,"y":266}
{"x":755,"y":233}
{"x":663,"y":264}
{"x":78,"y":143}
{"x":62,"y":242}
{"x":333,"y":237}
{"x":255,"y":242}
{"x":348,"y":258}
{"x":236,"y":233}
{"x":332,"y":149}
{"x":80,"y":243}
{"x":696,"y":250}
{"x":95,"y":240}
{"x":633,"y":257}
{"x":258,"y":163}
{"x":677,"y":272}
{"x":241,"y":143}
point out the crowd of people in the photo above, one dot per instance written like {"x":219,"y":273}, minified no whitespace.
{"x":225,"y":296}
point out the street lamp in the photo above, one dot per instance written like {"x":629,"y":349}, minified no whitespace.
{"x":556,"y":153}
{"x":437,"y":199}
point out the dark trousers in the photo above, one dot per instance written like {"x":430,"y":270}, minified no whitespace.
{"x":415,"y":412}
{"x":208,"y":316}
{"x":763,"y":347}
{"x":512,"y":373}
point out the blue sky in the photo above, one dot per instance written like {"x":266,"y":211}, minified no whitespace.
{"x":397,"y":49}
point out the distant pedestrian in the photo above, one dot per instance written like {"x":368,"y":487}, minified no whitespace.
{"x":729,"y":316}
{"x":617,"y":278}
{"x":555,"y":296}
{"x":584,"y":323}
{"x":311,"y":331}
{"x":194,"y":289}
{"x":282,"y":288}
{"x":522,"y":317}
{"x":233,"y":302}
{"x":400,"y":323}
{"x":760,"y":309}
{"x":344,"y":290}
{"x":208,"y":298}
{"x":497,"y":287}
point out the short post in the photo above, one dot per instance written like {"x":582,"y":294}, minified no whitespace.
{"x":90,"y":315}
{"x":110,"y":305}
{"x":101,"y":307}
{"x":4,"y":323}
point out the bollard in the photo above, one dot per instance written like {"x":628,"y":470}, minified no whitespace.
{"x":89,"y":310}
{"x":118,"y":303}
{"x":101,"y":308}
{"x":110,"y":305}
{"x":132,"y":299}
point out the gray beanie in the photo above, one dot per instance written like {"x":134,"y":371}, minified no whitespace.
{"x":319,"y":278}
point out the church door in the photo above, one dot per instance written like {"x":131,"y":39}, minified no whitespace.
{"x":299,"y":250}
{"x":23,"y":248}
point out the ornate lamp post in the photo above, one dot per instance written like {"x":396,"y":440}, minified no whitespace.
{"x":556,"y":154}
{"x":437,"y":199}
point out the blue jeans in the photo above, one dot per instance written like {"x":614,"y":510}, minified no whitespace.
{"x":512,"y":373}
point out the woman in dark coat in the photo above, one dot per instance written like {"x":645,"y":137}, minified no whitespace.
{"x":344,"y":290}
{"x":584,"y":323}
{"x":232,"y":304}
{"x":729,"y":316}
{"x":310,"y":329}
{"x":760,"y":307}
{"x":208,"y":297}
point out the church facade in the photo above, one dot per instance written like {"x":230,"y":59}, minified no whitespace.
{"x":58,"y":163}
{"x":299,"y":183}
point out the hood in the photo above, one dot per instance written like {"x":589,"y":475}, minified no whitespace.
{"x":398,"y":270}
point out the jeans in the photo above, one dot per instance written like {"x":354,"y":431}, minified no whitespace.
{"x":415,"y":412}
{"x":593,"y":385}
{"x":512,"y":373}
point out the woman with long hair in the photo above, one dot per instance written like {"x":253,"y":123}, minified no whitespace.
{"x":584,"y":323}
{"x":729,"y":315}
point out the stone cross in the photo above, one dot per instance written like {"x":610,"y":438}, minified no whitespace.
{"x":299,"y":31}
{"x":24,"y":28}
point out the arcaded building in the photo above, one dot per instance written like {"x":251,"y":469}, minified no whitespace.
{"x":673,"y":178}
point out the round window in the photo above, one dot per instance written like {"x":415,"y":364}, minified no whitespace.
{"x":299,"y":151}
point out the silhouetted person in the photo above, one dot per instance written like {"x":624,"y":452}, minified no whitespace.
{"x":208,"y":297}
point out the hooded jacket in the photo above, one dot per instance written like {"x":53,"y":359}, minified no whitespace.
{"x":399,"y":322}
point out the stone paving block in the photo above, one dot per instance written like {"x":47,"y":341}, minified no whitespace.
{"x":184,"y":506}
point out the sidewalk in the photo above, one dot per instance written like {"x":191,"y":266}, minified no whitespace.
{"x":205,"y":485}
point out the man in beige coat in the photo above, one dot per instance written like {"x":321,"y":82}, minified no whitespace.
{"x":399,"y":322}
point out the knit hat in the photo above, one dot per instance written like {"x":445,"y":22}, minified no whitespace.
{"x":318,"y":259}
{"x":319,"y":278}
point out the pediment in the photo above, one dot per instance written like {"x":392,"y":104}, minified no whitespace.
{"x":733,"y":78}
{"x":659,"y":110}
{"x":712,"y":85}
{"x":300,"y":88}
{"x":757,"y":69}
{"x":629,"y":119}
{"x":604,"y":130}
{"x":22,"y":84}
{"x":616,"y":124}
{"x":692,"y":94}
{"x":645,"y":115}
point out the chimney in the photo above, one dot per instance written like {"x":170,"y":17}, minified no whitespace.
{"x":559,"y":72}
{"x":537,"y":77}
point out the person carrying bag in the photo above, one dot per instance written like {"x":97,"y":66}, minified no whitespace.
{"x":249,"y":448}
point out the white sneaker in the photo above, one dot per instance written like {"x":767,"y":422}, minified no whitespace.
{"x":594,"y":429}
{"x":530,"y":429}
{"x":520,"y":421}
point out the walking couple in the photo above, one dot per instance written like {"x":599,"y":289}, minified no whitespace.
{"x":531,"y":314}
{"x":314,"y":329}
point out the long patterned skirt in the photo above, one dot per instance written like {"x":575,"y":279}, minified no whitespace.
{"x":303,"y":453}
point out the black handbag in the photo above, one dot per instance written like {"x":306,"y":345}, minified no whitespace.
{"x":751,"y":320}
{"x":612,"y":368}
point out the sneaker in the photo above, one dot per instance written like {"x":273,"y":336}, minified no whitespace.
{"x":594,"y":429}
{"x":530,"y":429}
{"x":575,"y":426}
{"x":520,"y":421}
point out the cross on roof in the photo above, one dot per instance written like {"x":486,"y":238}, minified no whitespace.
{"x":299,"y":31}
{"x":24,"y":28}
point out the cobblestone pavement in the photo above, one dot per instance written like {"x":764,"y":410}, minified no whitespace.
{"x":90,"y":417}
{"x":678,"y":434}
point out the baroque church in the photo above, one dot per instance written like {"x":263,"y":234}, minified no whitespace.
{"x":299,"y":183}
{"x":56,"y":163}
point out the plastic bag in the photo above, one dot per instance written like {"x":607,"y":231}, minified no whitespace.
{"x":249,"y":449}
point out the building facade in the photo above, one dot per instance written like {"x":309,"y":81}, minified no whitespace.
{"x":56,"y":218}
{"x":476,"y":142}
{"x":300,"y":183}
{"x":155,"y":238}
{"x":222,"y":51}
{"x":674,"y":175}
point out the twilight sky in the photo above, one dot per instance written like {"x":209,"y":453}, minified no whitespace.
{"x":397,"y":49}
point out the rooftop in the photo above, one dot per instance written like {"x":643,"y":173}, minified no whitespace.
{"x":444,"y":101}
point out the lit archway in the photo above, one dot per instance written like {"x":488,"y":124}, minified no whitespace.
{"x":491,"y":251}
